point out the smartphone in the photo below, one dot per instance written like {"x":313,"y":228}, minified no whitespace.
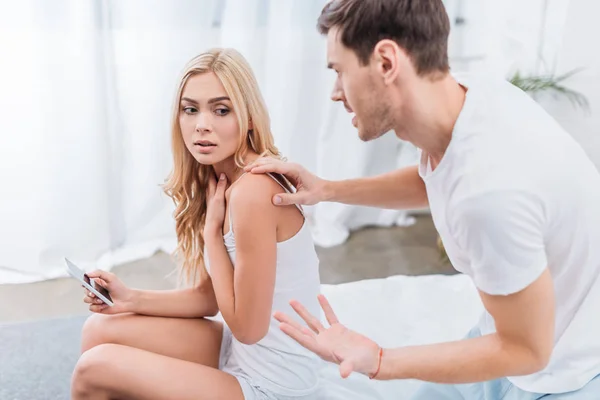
{"x":88,"y":283}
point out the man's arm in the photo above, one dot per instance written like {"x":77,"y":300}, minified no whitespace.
{"x":399,"y":189}
{"x":522,"y":344}
{"x":502,"y":232}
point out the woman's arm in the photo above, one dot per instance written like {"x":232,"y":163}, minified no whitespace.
{"x":245,"y":295}
{"x":196,"y":302}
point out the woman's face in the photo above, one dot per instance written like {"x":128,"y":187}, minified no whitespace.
{"x":208,"y":123}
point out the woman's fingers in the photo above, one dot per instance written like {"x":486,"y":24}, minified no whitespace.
{"x":98,"y":308}
{"x":212,"y":187}
{"x":92,"y":300}
{"x":102,"y":283}
{"x":106,"y":276}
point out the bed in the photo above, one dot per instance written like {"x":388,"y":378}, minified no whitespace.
{"x":399,"y":311}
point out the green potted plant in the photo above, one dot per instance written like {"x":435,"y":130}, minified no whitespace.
{"x":535,"y":85}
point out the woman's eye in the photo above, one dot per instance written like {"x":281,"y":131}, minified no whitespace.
{"x":221,"y":111}
{"x":189,"y":110}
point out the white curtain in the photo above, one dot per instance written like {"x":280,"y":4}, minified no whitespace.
{"x":501,"y":37}
{"x":577,"y":51}
{"x":87,"y":88}
{"x":86,"y":93}
{"x":282,"y":43}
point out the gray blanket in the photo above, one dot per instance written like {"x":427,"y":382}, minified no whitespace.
{"x":37,"y":358}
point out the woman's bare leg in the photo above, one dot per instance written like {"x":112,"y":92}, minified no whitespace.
{"x":112,"y":371}
{"x":197,"y":340}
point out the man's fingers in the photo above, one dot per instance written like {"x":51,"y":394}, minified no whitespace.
{"x":263,"y":163}
{"x":285,"y":199}
{"x":305,"y":341}
{"x":310,"y":320}
{"x":266,"y":165}
{"x":346,"y":364}
{"x":329,"y":314}
{"x":346,"y":368}
{"x":284,"y":318}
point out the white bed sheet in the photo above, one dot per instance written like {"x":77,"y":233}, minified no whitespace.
{"x":399,"y":311}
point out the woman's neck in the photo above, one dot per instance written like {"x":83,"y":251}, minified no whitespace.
{"x":230,"y":169}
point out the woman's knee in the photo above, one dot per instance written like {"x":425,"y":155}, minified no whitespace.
{"x":98,"y":329}
{"x":91,"y":369}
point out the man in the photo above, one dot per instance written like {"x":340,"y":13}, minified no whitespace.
{"x":514,"y":198}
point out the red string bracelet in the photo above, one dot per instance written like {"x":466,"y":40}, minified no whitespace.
{"x":378,"y":364}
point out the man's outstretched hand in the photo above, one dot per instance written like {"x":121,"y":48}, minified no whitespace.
{"x":310,"y":189}
{"x":338,"y":344}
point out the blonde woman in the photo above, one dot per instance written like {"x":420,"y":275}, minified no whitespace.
{"x":243,"y":256}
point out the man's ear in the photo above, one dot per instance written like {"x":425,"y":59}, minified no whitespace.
{"x":390,"y":59}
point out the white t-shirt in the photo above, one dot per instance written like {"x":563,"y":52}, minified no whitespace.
{"x":514,"y":194}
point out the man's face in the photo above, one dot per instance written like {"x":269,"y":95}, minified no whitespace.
{"x":360,"y":89}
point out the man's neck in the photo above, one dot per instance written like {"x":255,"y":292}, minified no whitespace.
{"x":436,"y":111}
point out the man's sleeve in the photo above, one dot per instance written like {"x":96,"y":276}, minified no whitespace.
{"x":502,"y":234}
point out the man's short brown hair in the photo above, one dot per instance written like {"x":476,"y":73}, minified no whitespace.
{"x":420,"y":27}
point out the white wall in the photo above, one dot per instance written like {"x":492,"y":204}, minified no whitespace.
{"x":580,"y":49}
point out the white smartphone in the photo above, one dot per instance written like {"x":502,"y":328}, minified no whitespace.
{"x":85,"y":280}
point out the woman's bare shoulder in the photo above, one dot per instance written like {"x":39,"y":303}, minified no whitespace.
{"x":254,"y":189}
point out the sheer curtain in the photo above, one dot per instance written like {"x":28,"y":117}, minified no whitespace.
{"x":87,"y":89}
{"x":289,"y":56}
{"x":85,"y":114}
{"x":575,"y":52}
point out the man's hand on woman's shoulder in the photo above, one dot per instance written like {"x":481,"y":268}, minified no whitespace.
{"x":310,"y":189}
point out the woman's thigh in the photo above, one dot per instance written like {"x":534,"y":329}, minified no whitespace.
{"x":193,"y":339}
{"x":111,"y":371}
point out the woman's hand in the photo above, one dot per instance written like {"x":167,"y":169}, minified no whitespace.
{"x":121,"y":295}
{"x":215,"y":206}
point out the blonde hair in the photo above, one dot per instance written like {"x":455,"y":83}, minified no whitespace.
{"x":188,"y":181}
